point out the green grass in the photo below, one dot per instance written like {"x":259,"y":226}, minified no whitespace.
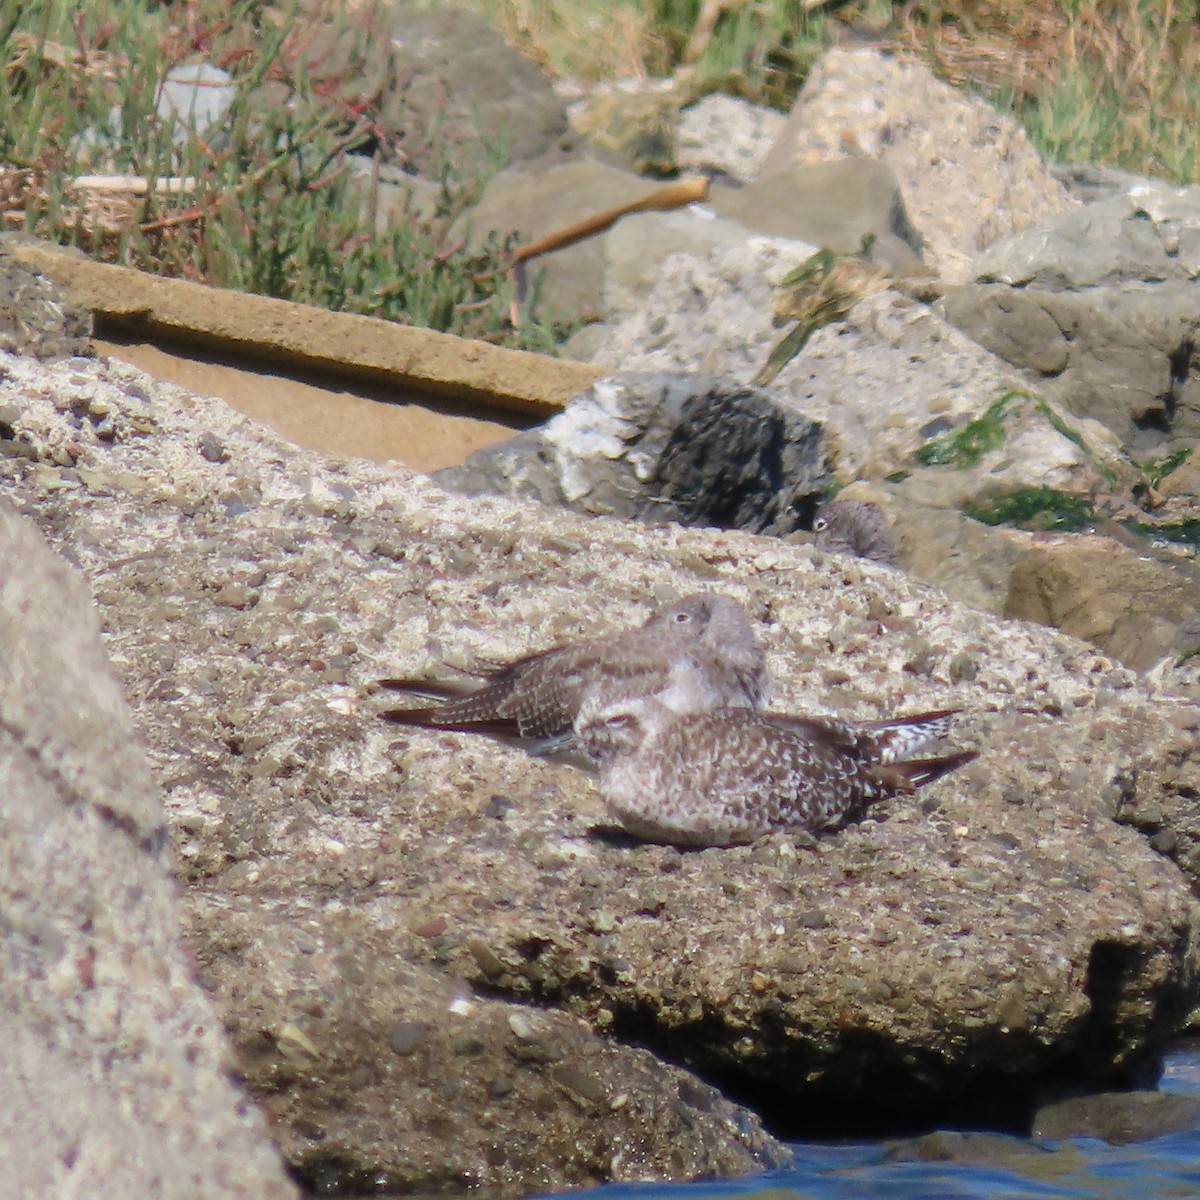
{"x":273,"y":209}
{"x":1113,"y":82}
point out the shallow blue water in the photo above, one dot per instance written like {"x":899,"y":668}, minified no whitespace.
{"x":1075,"y":1169}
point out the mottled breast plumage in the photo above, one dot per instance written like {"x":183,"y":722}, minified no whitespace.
{"x":733,"y":775}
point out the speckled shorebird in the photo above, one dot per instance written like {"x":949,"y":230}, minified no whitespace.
{"x":699,"y":653}
{"x":854,"y":527}
{"x":732,"y":775}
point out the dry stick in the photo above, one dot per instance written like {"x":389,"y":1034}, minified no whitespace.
{"x":683,"y":191}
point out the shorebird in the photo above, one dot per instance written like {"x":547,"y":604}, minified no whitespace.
{"x":854,"y":527}
{"x":697,"y":654}
{"x":729,"y":775}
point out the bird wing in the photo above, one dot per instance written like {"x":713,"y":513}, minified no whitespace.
{"x":535,"y":697}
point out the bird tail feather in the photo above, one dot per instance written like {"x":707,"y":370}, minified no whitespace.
{"x":916,"y":772}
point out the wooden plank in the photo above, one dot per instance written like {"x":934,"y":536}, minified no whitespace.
{"x":132,"y":304}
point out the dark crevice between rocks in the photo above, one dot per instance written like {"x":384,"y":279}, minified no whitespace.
{"x":1115,"y":979}
{"x":338,"y":1175}
{"x":1180,"y":361}
{"x":1161,"y":419}
{"x":861,"y":1089}
{"x":869,"y":1087}
{"x":152,"y":843}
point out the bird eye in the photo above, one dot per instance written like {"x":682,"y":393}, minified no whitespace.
{"x":820,"y":524}
{"x":620,"y":721}
{"x":680,"y":617}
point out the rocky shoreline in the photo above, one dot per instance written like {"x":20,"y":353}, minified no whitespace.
{"x":434,"y":969}
{"x":416,"y":940}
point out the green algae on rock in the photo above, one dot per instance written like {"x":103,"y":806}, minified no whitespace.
{"x":966,"y":446}
{"x":1034,"y":508}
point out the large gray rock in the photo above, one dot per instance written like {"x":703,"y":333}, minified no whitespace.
{"x":523,"y":204}
{"x":709,"y":312}
{"x":833,"y":205}
{"x":450,"y":97}
{"x":458,"y":96}
{"x":1118,"y":1117}
{"x":637,"y":248}
{"x":891,"y":380}
{"x":977,"y":934}
{"x":725,"y":134}
{"x":112,"y":1079}
{"x":686,"y":448}
{"x":968,"y":174}
{"x":1102,"y":302}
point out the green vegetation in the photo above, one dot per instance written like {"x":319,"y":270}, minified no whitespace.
{"x":1074,"y":436}
{"x":966,"y":446}
{"x":271,"y":208}
{"x":269,"y":205}
{"x":1040,"y":508}
{"x":1106,"y":81}
{"x":1185,"y":532}
{"x":1157,"y":469}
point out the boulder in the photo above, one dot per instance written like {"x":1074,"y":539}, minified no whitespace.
{"x":349,"y":883}
{"x":447,"y":97}
{"x":1101,"y":302}
{"x":685,"y":448}
{"x":113,"y":1053}
{"x":1118,"y":1117}
{"x":726,"y":135}
{"x":458,"y":97}
{"x":523,"y":204}
{"x":1121,"y":598}
{"x":834,"y":205}
{"x":968,"y":174}
{"x":636,"y":251}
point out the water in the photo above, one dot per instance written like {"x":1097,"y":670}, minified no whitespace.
{"x":1014,"y":1168}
